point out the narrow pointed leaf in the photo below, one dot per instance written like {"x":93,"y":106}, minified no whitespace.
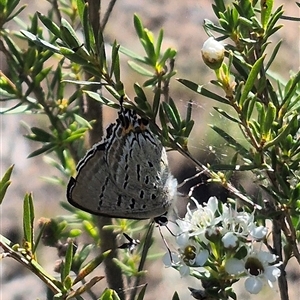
{"x":171,"y":116}
{"x":87,"y":28}
{"x":115,"y":67}
{"x":141,"y":70}
{"x":109,"y":295}
{"x":175,"y":110}
{"x":5,"y":182}
{"x":102,"y":99}
{"x":49,"y":24}
{"x":159,"y":42}
{"x":68,"y":262}
{"x":226,"y":115}
{"x":199,"y":89}
{"x":256,"y":68}
{"x":84,"y":288}
{"x":41,"y":134}
{"x":231,"y":141}
{"x":133,"y":55}
{"x":282,"y":135}
{"x":45,"y":148}
{"x":68,"y":34}
{"x":142,"y":293}
{"x":90,"y":266}
{"x":28,"y":218}
{"x":156,"y":102}
{"x":139,"y":28}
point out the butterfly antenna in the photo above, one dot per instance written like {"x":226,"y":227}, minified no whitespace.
{"x":165,"y":242}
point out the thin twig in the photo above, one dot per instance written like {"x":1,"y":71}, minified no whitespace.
{"x":30,"y":264}
{"x":107,"y":14}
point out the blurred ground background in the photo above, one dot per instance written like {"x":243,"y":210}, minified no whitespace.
{"x":182,"y":22}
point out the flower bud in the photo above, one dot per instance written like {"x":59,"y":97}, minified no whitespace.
{"x":213,"y":53}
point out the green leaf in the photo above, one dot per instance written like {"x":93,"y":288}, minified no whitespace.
{"x":5,"y":182}
{"x":175,"y":296}
{"x":80,"y":6}
{"x":133,"y":55}
{"x":5,"y":241}
{"x":87,"y":269}
{"x":282,"y":135}
{"x":273,"y":55}
{"x":291,"y":90}
{"x":14,"y":49}
{"x":231,"y":141}
{"x":142,"y":293}
{"x":188,"y":127}
{"x":28,"y":218}
{"x":45,"y":148}
{"x":66,"y":269}
{"x":269,"y":118}
{"x":68,"y":34}
{"x":148,"y":45}
{"x":256,"y":68}
{"x":102,"y":99}
{"x":16,"y":109}
{"x":38,"y":41}
{"x":248,"y":107}
{"x":159,"y":42}
{"x":199,"y":89}
{"x":82,"y":121}
{"x":163,"y":123}
{"x":141,"y":70}
{"x":17,"y":12}
{"x":139,"y":28}
{"x":109,"y":294}
{"x":90,"y":40}
{"x":172,"y":116}
{"x":189,"y":111}
{"x":156,"y":102}
{"x":115,"y":62}
{"x":41,"y":135}
{"x":169,"y":54}
{"x":139,"y":92}
{"x":74,"y":57}
{"x":226,"y":115}
{"x":42,"y":75}
{"x":90,"y":229}
{"x":84,"y":288}
{"x":175,"y":110}
{"x":49,"y":24}
{"x":150,"y":82}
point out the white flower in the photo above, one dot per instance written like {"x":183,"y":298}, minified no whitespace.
{"x":258,"y":233}
{"x":213,"y":53}
{"x":258,"y":267}
{"x":198,"y":220}
{"x":190,"y":255}
{"x":174,"y":260}
{"x":230,"y":240}
{"x":242,"y":224}
{"x":171,"y":259}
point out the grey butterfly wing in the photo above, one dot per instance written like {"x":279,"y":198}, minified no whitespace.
{"x":94,"y":190}
{"x":143,"y":172}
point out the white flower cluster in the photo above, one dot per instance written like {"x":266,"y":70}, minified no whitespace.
{"x":215,"y":242}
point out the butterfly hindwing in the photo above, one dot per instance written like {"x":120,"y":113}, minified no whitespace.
{"x":126,"y":175}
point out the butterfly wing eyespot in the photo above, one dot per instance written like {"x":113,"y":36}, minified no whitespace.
{"x":125,"y":175}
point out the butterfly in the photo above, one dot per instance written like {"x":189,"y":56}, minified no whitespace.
{"x":126,"y":174}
